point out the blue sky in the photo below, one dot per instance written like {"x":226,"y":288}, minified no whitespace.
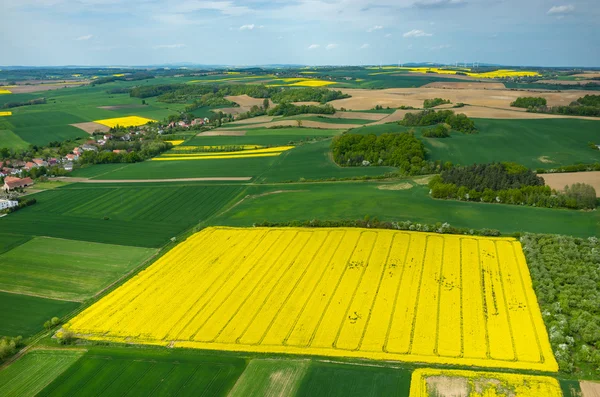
{"x":313,"y":32}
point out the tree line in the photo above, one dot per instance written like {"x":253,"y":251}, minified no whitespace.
{"x":508,"y":183}
{"x":400,"y":150}
{"x":137,"y":152}
{"x":459,"y":122}
{"x":431,"y":103}
{"x":529,"y":102}
{"x":588,"y":105}
{"x":37,"y":101}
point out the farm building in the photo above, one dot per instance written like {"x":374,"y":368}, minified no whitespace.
{"x":4,"y":204}
{"x":11,"y":183}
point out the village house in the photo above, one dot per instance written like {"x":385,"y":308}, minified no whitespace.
{"x":40,"y":162}
{"x":53,"y":161}
{"x":86,"y":148}
{"x":77,"y":151}
{"x":11,"y":183}
{"x":30,"y":165}
{"x":72,"y":157}
{"x":108,"y":137}
{"x":4,"y":204}
{"x":68,"y":166}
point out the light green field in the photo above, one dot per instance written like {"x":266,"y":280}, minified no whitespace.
{"x":34,"y":371}
{"x":11,"y":140}
{"x":66,"y":269}
{"x":293,"y":131}
{"x":270,"y":378}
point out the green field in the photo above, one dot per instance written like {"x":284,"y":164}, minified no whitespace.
{"x":343,"y":380}
{"x":146,"y":372}
{"x":12,"y":141}
{"x":25,"y":315}
{"x":293,"y":131}
{"x":66,"y":269}
{"x":9,"y":241}
{"x":313,"y":161}
{"x":270,"y":378}
{"x":136,"y":215}
{"x":269,"y":139}
{"x":352,"y":200}
{"x":543,"y":143}
{"x":31,"y":373}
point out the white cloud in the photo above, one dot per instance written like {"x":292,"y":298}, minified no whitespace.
{"x":313,"y":46}
{"x":331,"y":46}
{"x":374,"y":28}
{"x":388,"y":35}
{"x":86,"y":37}
{"x":168,"y":46}
{"x":364,"y":46}
{"x":417,"y":33}
{"x":564,"y":9}
{"x":247,"y":27}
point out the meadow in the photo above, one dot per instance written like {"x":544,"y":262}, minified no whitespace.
{"x":134,"y":215}
{"x":37,"y":310}
{"x":382,"y":200}
{"x":66,"y":269}
{"x":11,"y":140}
{"x":367,"y":302}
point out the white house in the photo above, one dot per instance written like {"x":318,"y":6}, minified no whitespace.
{"x":4,"y":204}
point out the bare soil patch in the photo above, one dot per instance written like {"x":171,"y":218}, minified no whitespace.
{"x":559,"y":181}
{"x":91,"y":127}
{"x":567,"y":82}
{"x":423,"y":180}
{"x":246,"y":102}
{"x":588,"y":75}
{"x":397,"y":186}
{"x":309,"y":103}
{"x":485,"y":98}
{"x":254,"y":120}
{"x":117,"y":107}
{"x":396,"y":116}
{"x":446,"y":386}
{"x":590,"y":389}
{"x":305,"y":123}
{"x":461,"y":86}
{"x":51,"y":85}
{"x":223,"y":133}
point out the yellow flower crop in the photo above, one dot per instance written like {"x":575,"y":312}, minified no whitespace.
{"x":223,"y":147}
{"x":216,"y":156}
{"x":119,"y":75}
{"x":177,"y":142}
{"x":5,"y":114}
{"x":129,"y":121}
{"x":3,"y":91}
{"x":447,"y":383}
{"x":344,"y":292}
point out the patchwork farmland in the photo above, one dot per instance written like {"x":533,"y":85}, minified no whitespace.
{"x":338,"y":292}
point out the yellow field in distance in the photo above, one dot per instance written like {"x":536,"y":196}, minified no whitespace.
{"x":176,"y":142}
{"x":4,"y":91}
{"x":128,"y":121}
{"x":5,"y":113}
{"x":237,"y":155}
{"x":345,"y":292}
{"x":265,"y":152}
{"x":449,"y":383}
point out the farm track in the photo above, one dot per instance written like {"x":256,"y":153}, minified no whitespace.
{"x":381,"y":295}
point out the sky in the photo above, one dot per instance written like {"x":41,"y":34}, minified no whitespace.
{"x":307,"y":32}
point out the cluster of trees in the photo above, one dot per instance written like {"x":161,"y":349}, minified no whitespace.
{"x":288,"y":109}
{"x":23,"y":202}
{"x":130,"y":77}
{"x":565,"y":276}
{"x":570,"y":168}
{"x":9,"y":346}
{"x":309,"y":94}
{"x":529,"y":102}
{"x":37,"y":101}
{"x":374,"y":223}
{"x":588,"y":105}
{"x":508,"y":183}
{"x":439,"y":131}
{"x":458,"y":122}
{"x":401,"y":150}
{"x":139,"y":151}
{"x":431,"y":103}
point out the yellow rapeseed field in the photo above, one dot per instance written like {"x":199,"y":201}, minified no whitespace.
{"x":3,"y":91}
{"x":345,"y":292}
{"x":449,"y":383}
{"x":6,"y":113}
{"x":262,"y":152}
{"x":496,"y":74}
{"x":176,"y":143}
{"x":128,"y":121}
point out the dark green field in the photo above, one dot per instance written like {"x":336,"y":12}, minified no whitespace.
{"x":347,"y":200}
{"x":136,"y":215}
{"x":25,"y":315}
{"x":9,"y":241}
{"x":136,"y":372}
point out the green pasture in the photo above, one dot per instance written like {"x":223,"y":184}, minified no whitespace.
{"x":25,"y":315}
{"x":34,"y":371}
{"x":66,"y":269}
{"x":264,"y":377}
{"x":355,"y":200}
{"x":143,"y":372}
{"x":134,"y":215}
{"x":269,"y":139}
{"x":293,"y":131}
{"x":334,"y":120}
{"x":9,"y":241}
{"x":11,"y":140}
